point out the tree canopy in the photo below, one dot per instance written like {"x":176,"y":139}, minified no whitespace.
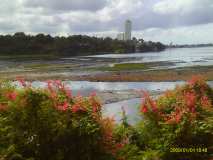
{"x":74,"y":45}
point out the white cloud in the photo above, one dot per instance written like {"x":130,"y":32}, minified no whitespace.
{"x":66,"y":5}
{"x":156,"y":19}
{"x":169,"y":7}
{"x":181,"y":6}
{"x":179,"y":35}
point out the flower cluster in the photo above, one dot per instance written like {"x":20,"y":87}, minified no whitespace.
{"x":148,"y":104}
{"x":55,"y":112}
{"x":186,"y":101}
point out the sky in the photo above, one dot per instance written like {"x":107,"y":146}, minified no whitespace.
{"x":177,"y":21}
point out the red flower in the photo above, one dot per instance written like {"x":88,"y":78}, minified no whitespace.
{"x":64,"y":106}
{"x":153,"y":105}
{"x":11,"y":96}
{"x":76,"y":108}
{"x":190,"y":99}
{"x":119,"y":146}
{"x":178,"y":117}
{"x":94,"y":108}
{"x":94,"y":103}
{"x":144,"y":108}
{"x":68,"y":93}
{"x":150,"y":101}
{"x":195,"y":79}
{"x":3,"y":107}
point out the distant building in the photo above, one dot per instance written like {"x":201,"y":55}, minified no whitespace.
{"x":120,"y":36}
{"x":128,"y":30}
{"x":127,"y":35}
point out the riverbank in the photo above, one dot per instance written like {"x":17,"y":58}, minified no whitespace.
{"x":158,"y":75}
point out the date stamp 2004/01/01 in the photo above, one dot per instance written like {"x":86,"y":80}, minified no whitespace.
{"x":188,"y":150}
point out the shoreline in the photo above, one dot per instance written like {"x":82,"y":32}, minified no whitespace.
{"x":170,"y":75}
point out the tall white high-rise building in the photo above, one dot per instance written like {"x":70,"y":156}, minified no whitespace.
{"x":128,"y":30}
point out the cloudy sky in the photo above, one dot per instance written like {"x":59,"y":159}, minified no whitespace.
{"x":177,"y":21}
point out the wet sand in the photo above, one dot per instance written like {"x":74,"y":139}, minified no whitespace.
{"x":160,"y":75}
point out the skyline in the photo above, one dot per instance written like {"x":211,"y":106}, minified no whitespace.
{"x":179,"y":21}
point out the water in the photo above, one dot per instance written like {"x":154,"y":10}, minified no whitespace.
{"x":181,"y":57}
{"x":87,"y":87}
{"x":170,"y":58}
{"x":131,"y":108}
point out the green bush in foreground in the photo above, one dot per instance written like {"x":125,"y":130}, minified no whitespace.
{"x":51,"y":124}
{"x":176,"y":126}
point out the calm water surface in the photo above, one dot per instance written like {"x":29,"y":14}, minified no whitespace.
{"x":181,"y":57}
{"x":86,"y":86}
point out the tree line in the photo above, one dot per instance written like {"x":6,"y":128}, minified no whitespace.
{"x":75,"y":45}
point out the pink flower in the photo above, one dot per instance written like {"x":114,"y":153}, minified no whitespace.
{"x":49,"y":84}
{"x":59,"y":84}
{"x":21,"y":81}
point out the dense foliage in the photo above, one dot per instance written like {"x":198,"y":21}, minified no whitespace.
{"x":178,"y":125}
{"x":52,"y":124}
{"x":19,"y":43}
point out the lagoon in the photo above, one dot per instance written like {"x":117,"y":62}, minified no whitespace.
{"x":180,"y":57}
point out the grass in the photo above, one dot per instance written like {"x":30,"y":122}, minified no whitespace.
{"x":46,"y":65}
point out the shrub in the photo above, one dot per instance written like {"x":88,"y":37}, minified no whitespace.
{"x":180,"y":118}
{"x":51,"y":124}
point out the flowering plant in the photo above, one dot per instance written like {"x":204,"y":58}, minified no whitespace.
{"x":179,"y":118}
{"x":52,"y":124}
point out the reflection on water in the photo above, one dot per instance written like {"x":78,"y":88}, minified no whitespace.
{"x":181,"y":57}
